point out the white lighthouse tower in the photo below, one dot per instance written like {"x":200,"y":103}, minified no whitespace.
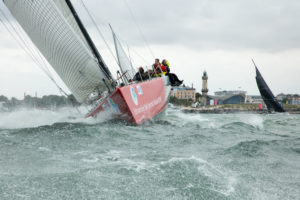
{"x":204,"y":89}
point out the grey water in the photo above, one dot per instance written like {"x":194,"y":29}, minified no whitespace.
{"x":59,"y":155}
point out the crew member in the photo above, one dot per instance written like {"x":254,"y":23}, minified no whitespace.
{"x":141,"y":75}
{"x":174,"y":80}
{"x":158,"y":68}
{"x":166,"y":64}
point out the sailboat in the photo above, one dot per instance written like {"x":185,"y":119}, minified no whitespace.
{"x":57,"y":31}
{"x":266,"y":93}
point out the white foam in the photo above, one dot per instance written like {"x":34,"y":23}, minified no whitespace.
{"x":29,"y":118}
{"x":135,"y":165}
{"x":216,"y":120}
{"x":91,"y":160}
{"x":192,"y":117}
{"x":44,"y":149}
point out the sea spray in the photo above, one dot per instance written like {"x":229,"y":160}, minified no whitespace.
{"x":27,"y":118}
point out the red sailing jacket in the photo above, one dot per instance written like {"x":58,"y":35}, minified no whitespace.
{"x":158,"y":69}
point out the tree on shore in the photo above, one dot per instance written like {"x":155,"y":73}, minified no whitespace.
{"x":180,"y":102}
{"x":47,"y":101}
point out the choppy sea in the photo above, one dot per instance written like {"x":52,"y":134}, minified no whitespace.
{"x":60,"y":155}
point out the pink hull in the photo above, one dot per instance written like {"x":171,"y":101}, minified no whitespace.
{"x":136,"y":103}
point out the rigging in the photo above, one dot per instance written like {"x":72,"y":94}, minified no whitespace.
{"x":139,"y":28}
{"x":98,"y":30}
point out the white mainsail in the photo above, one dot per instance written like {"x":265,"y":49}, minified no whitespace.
{"x":123,"y":60}
{"x":65,"y":10}
{"x":55,"y":33}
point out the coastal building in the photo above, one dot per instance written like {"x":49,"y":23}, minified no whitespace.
{"x":204,"y":89}
{"x":229,"y":97}
{"x":254,"y":99}
{"x":230,"y":92}
{"x":281,"y":97}
{"x":184,"y":92}
{"x":293,"y":99}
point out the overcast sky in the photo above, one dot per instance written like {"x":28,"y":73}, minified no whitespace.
{"x":218,"y":36}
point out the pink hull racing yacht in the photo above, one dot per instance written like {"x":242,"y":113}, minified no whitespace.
{"x":56,"y":30}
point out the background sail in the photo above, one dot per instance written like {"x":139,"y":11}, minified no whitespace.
{"x":266,"y":94}
{"x":123,"y":60}
{"x":61,"y":44}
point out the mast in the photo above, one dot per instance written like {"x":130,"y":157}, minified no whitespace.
{"x":96,"y":53}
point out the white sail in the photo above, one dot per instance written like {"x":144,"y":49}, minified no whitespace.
{"x":65,"y":10}
{"x":123,"y":60}
{"x":64,"y":48}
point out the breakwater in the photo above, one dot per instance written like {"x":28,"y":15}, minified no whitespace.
{"x":234,"y":109}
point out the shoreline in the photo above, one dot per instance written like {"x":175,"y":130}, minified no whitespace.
{"x":221,"y":110}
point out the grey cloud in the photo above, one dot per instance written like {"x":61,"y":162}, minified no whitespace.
{"x":269,"y":25}
{"x":231,"y":28}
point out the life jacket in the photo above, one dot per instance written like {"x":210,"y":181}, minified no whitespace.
{"x":159,"y":71}
{"x":167,"y":62}
{"x":167,"y":65}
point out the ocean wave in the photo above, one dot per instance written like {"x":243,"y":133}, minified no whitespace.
{"x":297,"y":150}
{"x":216,"y":121}
{"x":239,"y":126}
{"x":244,"y":121}
{"x":198,"y":173}
{"x":252,"y":148}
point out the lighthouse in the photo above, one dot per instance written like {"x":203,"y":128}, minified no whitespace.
{"x":204,"y":89}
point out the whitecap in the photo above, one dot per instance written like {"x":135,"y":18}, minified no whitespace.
{"x":91,"y":160}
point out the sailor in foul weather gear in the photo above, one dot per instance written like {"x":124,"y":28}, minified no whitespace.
{"x":174,"y":80}
{"x":159,"y":69}
{"x":166,"y":64}
{"x":141,"y":75}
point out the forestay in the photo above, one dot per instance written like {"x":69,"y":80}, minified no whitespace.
{"x":123,"y":60}
{"x":51,"y":28}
